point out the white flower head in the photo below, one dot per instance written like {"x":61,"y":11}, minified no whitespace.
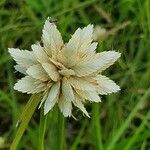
{"x":65,"y":74}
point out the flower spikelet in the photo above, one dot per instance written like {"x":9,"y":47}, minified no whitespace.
{"x":65,"y":73}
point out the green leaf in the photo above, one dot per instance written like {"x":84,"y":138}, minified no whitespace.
{"x":135,"y":136}
{"x":25,"y":118}
{"x":78,"y":138}
{"x":126,"y":123}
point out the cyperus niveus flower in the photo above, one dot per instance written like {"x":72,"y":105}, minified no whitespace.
{"x":65,"y":74}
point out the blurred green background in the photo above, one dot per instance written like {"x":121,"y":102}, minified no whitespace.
{"x":122,"y":120}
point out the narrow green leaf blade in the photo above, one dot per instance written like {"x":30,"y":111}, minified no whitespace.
{"x":25,"y":118}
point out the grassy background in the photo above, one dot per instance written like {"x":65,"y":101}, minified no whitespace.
{"x":122,"y":120}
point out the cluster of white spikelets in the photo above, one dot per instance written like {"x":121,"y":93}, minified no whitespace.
{"x":65,"y":73}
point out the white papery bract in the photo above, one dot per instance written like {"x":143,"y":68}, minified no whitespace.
{"x":65,"y":74}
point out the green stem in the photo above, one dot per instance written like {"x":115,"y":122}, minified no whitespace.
{"x":42,"y":128}
{"x":25,"y":118}
{"x":61,"y":130}
{"x":97,"y":136}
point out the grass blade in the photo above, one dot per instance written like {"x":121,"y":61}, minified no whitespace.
{"x":28,"y":112}
{"x":138,"y":131}
{"x":125,"y":125}
{"x":78,"y":138}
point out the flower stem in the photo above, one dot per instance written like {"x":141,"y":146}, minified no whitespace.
{"x":61,"y":131}
{"x":42,"y":128}
{"x":97,"y":136}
